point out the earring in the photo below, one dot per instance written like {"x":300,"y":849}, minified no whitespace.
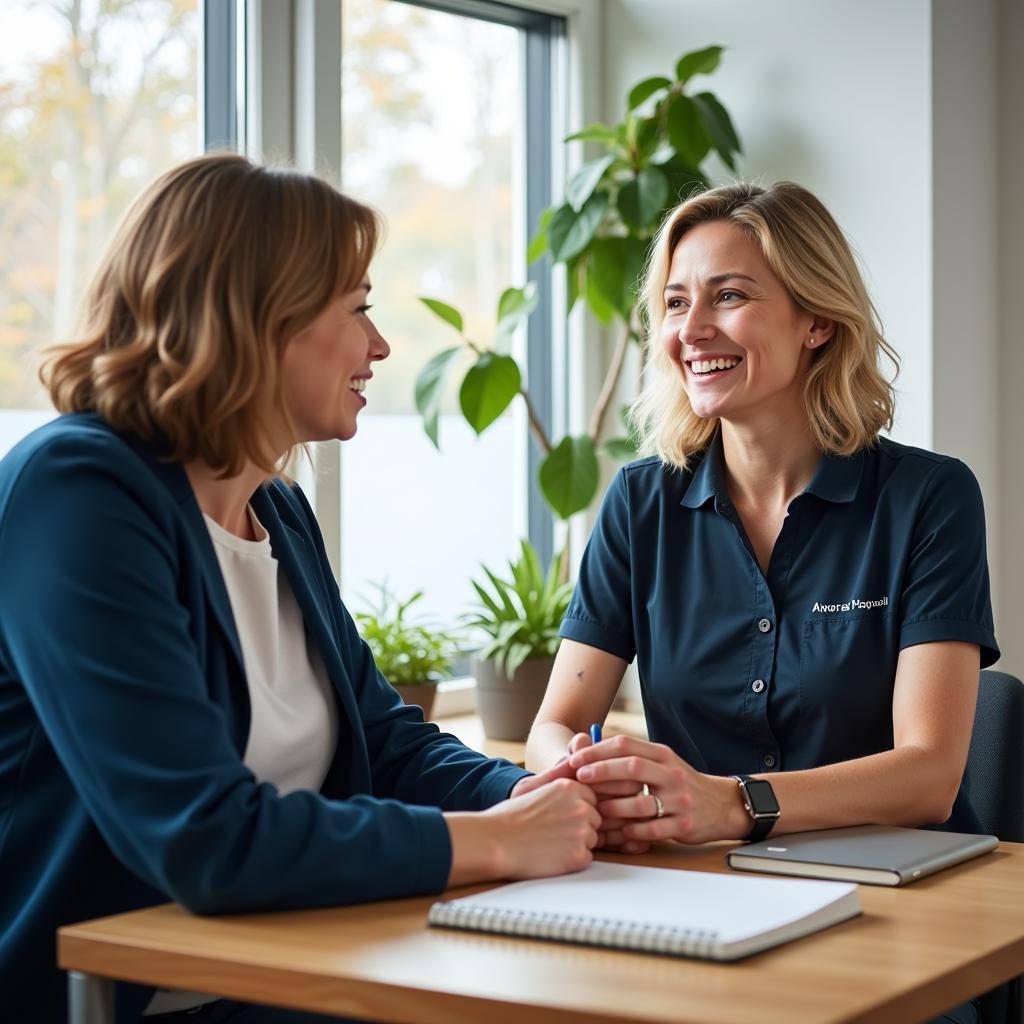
{"x":810,"y":341}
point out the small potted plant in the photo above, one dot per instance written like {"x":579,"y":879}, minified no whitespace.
{"x":413,"y":655}
{"x":521,"y":617}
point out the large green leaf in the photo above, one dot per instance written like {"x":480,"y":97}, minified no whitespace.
{"x":539,"y":245}
{"x":645,"y":89}
{"x":595,"y":132}
{"x":620,"y":448}
{"x":613,"y":269}
{"x":430,"y":387}
{"x":698,"y":62}
{"x":491,"y":383}
{"x":570,"y":231}
{"x":514,"y":306}
{"x":569,"y":474}
{"x":642,"y":199}
{"x":582,"y":184}
{"x":686,"y":130}
{"x":719,"y":127}
{"x":683,"y":180}
{"x":599,"y":305}
{"x":573,"y":272}
{"x":447,"y":313}
{"x":648,"y":135}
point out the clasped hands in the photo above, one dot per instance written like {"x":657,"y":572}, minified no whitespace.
{"x":631,"y":778}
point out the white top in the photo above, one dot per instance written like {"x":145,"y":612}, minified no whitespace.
{"x":293,"y":733}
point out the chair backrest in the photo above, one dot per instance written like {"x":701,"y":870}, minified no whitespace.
{"x":994,"y":781}
{"x":994,"y":778}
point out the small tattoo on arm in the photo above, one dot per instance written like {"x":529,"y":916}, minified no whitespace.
{"x":579,"y":675}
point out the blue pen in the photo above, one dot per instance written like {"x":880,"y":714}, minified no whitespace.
{"x":595,"y":733}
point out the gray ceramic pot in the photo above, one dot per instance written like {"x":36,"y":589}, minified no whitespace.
{"x":422,"y":694}
{"x":508,"y":706}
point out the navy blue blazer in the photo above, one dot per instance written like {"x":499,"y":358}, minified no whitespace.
{"x":124,"y":714}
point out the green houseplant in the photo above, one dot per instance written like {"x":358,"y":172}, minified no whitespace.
{"x":600,"y":233}
{"x":413,"y":655}
{"x":520,"y":616}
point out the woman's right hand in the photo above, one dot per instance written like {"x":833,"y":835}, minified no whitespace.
{"x":550,"y":830}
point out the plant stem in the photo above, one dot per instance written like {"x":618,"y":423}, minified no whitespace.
{"x":536,"y":426}
{"x":611,"y":381}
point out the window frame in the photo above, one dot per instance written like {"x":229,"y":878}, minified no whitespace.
{"x":285,"y":72}
{"x":218,"y":75}
{"x":545,"y":34}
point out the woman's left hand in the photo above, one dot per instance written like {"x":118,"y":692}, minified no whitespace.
{"x":695,"y":808}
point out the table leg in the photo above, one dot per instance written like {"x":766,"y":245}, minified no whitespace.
{"x":90,"y":999}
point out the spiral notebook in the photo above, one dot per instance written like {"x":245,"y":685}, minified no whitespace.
{"x":656,"y":910}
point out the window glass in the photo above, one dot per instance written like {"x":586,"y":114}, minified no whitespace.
{"x":96,"y":98}
{"x":432,"y":130}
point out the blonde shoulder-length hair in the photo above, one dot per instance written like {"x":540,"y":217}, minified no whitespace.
{"x":211,"y":272}
{"x":846,"y":397}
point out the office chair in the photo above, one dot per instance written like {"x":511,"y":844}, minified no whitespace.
{"x":994,"y":781}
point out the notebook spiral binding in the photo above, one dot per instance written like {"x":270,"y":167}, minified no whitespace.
{"x":592,"y":931}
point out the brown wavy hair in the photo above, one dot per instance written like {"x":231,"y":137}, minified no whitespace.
{"x":210,"y":274}
{"x":846,"y":397}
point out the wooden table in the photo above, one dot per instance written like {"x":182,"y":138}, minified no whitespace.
{"x":914,"y":952}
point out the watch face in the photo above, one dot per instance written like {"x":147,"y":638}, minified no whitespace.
{"x":762,"y":797}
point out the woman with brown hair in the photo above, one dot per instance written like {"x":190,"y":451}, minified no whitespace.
{"x":807,"y":601}
{"x":186,"y":709}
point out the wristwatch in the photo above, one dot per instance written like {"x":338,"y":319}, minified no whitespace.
{"x":759,"y":800}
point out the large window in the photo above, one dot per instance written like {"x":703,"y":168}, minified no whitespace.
{"x":446,"y":127}
{"x":95,"y":99}
{"x":436,"y":135}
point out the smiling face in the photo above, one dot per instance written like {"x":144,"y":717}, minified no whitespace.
{"x":737,"y":339}
{"x":326,"y":367}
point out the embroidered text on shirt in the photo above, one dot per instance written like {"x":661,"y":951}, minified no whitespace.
{"x":854,"y":604}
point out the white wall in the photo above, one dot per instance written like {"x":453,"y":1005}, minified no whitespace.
{"x":833,"y":95}
{"x":1010,"y":349}
{"x":888,"y":111}
{"x":964,"y":248}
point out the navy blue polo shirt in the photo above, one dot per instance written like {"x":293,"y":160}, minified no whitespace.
{"x":745,"y":672}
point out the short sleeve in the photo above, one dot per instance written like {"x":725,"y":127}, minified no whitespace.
{"x":946,"y":588}
{"x":600,"y":612}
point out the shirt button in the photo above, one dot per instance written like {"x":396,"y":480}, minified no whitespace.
{"x":757,"y":685}
{"x":768,"y":760}
{"x":765,"y":625}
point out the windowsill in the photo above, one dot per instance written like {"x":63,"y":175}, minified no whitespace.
{"x":458,"y":697}
{"x":469,"y":729}
{"x":455,"y":697}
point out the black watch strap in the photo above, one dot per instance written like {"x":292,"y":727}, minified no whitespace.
{"x":763,"y":810}
{"x":762,"y":826}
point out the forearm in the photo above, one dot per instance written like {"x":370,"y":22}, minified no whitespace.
{"x":583,"y":685}
{"x":548,"y":743}
{"x":908,"y":786}
{"x":476,"y":849}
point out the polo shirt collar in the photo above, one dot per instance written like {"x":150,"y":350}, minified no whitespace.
{"x":836,"y":479}
{"x":708,"y":480}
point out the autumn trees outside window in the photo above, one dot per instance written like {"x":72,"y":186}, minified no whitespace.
{"x":96,"y":97}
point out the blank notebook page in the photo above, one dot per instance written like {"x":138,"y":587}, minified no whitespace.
{"x":733,"y":906}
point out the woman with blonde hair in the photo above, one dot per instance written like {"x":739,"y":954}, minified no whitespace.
{"x":186,"y":709}
{"x":807,"y":600}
